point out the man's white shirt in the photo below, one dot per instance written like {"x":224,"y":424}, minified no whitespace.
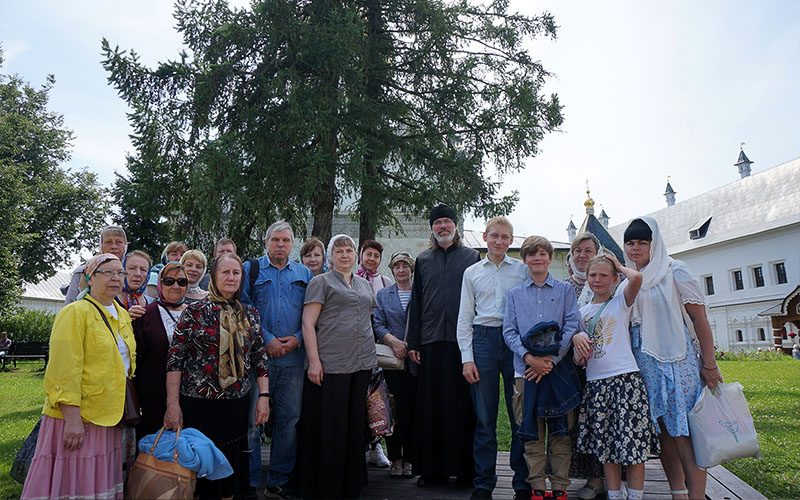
{"x":483,"y":297}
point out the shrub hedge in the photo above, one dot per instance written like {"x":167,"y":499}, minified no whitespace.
{"x":27,"y":325}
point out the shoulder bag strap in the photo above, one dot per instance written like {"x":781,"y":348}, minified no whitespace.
{"x":104,"y":319}
{"x":597,"y":316}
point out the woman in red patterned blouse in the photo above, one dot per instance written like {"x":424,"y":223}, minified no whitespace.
{"x":216,"y":345}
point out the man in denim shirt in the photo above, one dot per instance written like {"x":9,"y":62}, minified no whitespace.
{"x":540,"y":298}
{"x":278,"y":294}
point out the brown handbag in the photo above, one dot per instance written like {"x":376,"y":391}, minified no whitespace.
{"x":131,"y":413}
{"x":153,"y":478}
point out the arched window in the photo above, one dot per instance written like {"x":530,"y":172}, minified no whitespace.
{"x":761,"y":335}
{"x":739,"y":336}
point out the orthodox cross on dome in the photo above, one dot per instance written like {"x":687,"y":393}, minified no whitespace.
{"x":589,"y":203}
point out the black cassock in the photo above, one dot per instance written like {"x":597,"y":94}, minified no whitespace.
{"x":445,"y":420}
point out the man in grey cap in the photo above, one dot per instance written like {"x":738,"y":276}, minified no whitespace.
{"x":445,"y":421}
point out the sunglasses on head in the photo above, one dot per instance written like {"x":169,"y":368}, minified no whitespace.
{"x":169,"y":281}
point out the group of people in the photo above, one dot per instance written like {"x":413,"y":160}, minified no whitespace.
{"x":596,"y":375}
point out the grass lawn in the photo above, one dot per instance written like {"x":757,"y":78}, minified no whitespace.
{"x":772,"y":389}
{"x":21,"y":399}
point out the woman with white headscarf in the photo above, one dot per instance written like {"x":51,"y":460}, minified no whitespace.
{"x":669,"y":309}
{"x":584,"y":247}
{"x":340,"y":350}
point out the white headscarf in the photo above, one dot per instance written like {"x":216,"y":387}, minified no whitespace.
{"x":585,"y":236}
{"x":658,"y":307}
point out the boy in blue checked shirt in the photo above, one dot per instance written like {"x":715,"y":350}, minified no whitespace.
{"x":540,"y":299}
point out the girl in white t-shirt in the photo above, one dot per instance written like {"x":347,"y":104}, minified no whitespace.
{"x":614,"y":421}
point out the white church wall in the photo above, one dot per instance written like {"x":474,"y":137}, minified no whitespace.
{"x":733,"y":313}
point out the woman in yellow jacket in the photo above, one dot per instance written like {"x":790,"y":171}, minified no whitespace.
{"x":92,"y":350}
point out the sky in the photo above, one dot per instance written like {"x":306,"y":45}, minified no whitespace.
{"x":649,"y":89}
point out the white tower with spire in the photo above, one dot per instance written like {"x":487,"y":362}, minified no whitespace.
{"x":743,"y":162}
{"x":670,"y":193}
{"x":604,"y":218}
{"x":571,"y":230}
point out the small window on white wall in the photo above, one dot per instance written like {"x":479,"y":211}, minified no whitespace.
{"x":780,"y":273}
{"x":738,"y":282}
{"x":762,"y":335}
{"x":758,"y":276}
{"x":709,"y":281}
{"x":739,"y":337}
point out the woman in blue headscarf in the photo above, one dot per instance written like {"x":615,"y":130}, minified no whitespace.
{"x":132,"y":296}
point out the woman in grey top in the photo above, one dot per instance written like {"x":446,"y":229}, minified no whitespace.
{"x":340,"y":352}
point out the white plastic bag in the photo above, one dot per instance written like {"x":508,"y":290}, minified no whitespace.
{"x":721,"y":426}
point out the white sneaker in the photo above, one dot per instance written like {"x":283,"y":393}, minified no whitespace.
{"x":377,"y":458}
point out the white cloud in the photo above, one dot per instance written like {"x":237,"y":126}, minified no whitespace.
{"x":13,"y":48}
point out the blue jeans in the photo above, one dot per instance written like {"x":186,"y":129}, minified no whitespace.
{"x":493,"y":358}
{"x":286,"y":387}
{"x":254,"y":437}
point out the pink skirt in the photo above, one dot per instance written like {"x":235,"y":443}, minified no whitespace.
{"x":93,"y":471}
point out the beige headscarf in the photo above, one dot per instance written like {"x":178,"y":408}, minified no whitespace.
{"x":233,"y":326}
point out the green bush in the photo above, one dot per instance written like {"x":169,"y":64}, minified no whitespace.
{"x":750,"y":356}
{"x":27,"y":325}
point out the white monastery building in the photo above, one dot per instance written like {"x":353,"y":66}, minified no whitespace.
{"x":742,"y":240}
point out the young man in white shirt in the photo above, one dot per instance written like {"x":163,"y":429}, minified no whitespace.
{"x":485,"y":356}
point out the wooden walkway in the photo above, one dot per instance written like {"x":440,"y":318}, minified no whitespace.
{"x":721,"y":484}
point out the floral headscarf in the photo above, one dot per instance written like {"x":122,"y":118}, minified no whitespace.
{"x":89,"y":269}
{"x":233,"y":326}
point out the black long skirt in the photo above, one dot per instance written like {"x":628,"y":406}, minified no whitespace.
{"x":445,"y":421}
{"x":223,"y":421}
{"x":403,"y":387}
{"x":331,"y":436}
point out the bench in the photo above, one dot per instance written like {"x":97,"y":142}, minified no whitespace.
{"x":27,"y":350}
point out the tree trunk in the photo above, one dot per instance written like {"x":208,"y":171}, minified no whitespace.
{"x":370,"y":197}
{"x":323,"y":209}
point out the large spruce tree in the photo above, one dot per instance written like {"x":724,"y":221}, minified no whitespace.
{"x":285,"y":109}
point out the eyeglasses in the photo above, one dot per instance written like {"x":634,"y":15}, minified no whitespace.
{"x":169,"y":281}
{"x":400,"y":253}
{"x":108,"y":273}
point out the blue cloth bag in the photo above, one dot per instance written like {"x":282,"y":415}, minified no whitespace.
{"x":195,"y":452}
{"x":557,"y":393}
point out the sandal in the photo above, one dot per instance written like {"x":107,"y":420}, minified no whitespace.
{"x":407,"y":470}
{"x":396,"y":471}
{"x":590,"y":491}
{"x":679,"y":492}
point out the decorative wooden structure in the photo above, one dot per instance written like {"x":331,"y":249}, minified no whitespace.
{"x":788,"y":311}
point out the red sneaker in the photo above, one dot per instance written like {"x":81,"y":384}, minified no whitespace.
{"x":539,"y":495}
{"x":558,"y":494}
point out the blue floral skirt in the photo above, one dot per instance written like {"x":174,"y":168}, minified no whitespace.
{"x":614,"y":421}
{"x":672,"y":387}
